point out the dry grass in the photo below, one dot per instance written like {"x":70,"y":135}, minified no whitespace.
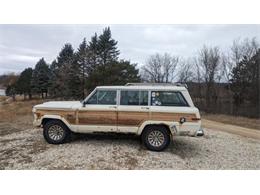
{"x":234,"y":120}
{"x":16,"y":112}
{"x":3,"y":98}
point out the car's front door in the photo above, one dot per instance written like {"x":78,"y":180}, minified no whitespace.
{"x":99,"y":113}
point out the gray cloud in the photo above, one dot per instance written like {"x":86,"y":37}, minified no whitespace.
{"x":21,"y":46}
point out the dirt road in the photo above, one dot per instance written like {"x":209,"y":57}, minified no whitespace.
{"x":246,"y":132}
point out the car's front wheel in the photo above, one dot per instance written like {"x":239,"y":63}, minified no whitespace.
{"x":156,"y":138}
{"x":55,"y":132}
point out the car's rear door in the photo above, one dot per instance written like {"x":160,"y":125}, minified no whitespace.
{"x":133,"y":110}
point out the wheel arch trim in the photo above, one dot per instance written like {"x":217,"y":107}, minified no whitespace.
{"x":55,"y":117}
{"x":172,"y":126}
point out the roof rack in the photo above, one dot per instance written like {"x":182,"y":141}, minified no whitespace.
{"x":157,"y":84}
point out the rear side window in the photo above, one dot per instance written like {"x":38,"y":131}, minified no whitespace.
{"x":167,"y":98}
{"x":136,"y":98}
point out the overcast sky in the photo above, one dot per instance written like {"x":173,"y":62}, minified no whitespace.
{"x":21,"y":46}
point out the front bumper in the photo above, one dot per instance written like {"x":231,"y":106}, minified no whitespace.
{"x":37,"y":123}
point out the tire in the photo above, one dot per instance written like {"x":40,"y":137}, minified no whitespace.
{"x":56,"y":132}
{"x":156,"y":137}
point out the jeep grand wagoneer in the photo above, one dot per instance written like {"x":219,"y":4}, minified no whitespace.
{"x":155,"y":112}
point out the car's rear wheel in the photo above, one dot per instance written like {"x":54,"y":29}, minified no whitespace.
{"x":156,"y":137}
{"x":55,"y":132}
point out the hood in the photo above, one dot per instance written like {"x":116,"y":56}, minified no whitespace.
{"x":58,"y":105}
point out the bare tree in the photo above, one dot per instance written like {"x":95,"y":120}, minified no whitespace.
{"x":240,"y":49}
{"x":243,"y":48}
{"x":185,"y":73}
{"x":226,"y":67}
{"x":208,"y":62}
{"x":160,"y":68}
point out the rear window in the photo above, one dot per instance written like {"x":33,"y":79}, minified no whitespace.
{"x":167,"y":98}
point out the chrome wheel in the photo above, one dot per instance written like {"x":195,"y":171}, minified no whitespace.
{"x":56,"y":132}
{"x":156,"y":138}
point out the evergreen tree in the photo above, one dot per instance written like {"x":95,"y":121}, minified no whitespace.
{"x":103,"y":59}
{"x":23,"y":84}
{"x":93,"y":56}
{"x":82,"y":58}
{"x":54,"y":86}
{"x":65,"y":55}
{"x":245,"y":80}
{"x":40,"y":78}
{"x":73,"y":84}
{"x":107,"y":48}
{"x":118,"y":73}
{"x":61,"y":71}
{"x":123,"y":72}
{"x":11,"y":90}
{"x":94,"y":63}
{"x":65,"y":73}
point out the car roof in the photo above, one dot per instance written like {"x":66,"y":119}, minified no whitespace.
{"x":139,"y":87}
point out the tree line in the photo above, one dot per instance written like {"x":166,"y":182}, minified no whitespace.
{"x":73,"y":74}
{"x":227,"y":79}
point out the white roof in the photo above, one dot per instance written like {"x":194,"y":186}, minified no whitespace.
{"x":139,"y":87}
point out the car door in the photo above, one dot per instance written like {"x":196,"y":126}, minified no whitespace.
{"x":99,"y":113}
{"x":133,"y":110}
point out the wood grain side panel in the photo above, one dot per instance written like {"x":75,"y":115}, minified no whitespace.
{"x":162,"y":116}
{"x":132,"y":118}
{"x":121,"y":118}
{"x":69,"y":115}
{"x":97,"y":118}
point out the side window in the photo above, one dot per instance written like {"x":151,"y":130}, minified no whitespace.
{"x":104,"y":97}
{"x":93,"y":99}
{"x":132,"y":97}
{"x":167,"y":98}
{"x":129,"y":98}
{"x":107,"y":97}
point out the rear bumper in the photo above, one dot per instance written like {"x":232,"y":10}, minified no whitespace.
{"x":191,"y":132}
{"x":200,"y":132}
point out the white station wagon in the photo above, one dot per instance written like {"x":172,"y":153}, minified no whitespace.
{"x":154,"y":112}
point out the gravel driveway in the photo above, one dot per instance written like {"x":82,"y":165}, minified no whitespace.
{"x":26,"y":149}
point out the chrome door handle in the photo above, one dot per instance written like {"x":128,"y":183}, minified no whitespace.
{"x":112,"y":106}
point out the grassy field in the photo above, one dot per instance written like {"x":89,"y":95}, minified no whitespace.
{"x":3,"y":98}
{"x":19,"y":111}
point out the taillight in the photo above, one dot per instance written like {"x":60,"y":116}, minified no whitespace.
{"x":196,"y":119}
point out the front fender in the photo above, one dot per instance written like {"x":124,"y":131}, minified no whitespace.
{"x":38,"y":122}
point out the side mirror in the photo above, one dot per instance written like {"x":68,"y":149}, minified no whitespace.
{"x":83,"y":103}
